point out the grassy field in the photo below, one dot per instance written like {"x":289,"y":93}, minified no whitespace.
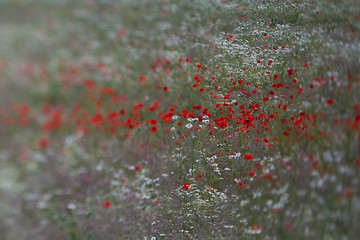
{"x":168,"y":119}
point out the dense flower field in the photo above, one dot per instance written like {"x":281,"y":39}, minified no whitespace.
{"x":169,"y":119}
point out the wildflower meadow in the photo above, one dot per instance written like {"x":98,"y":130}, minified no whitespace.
{"x":179,"y":119}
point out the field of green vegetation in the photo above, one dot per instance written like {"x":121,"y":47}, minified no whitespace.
{"x":179,"y":119}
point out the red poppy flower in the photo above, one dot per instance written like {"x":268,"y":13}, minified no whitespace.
{"x":248,"y":156}
{"x":43,"y":142}
{"x":106,"y":204}
{"x":357,"y":162}
{"x":186,"y":186}
{"x":198,"y":176}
